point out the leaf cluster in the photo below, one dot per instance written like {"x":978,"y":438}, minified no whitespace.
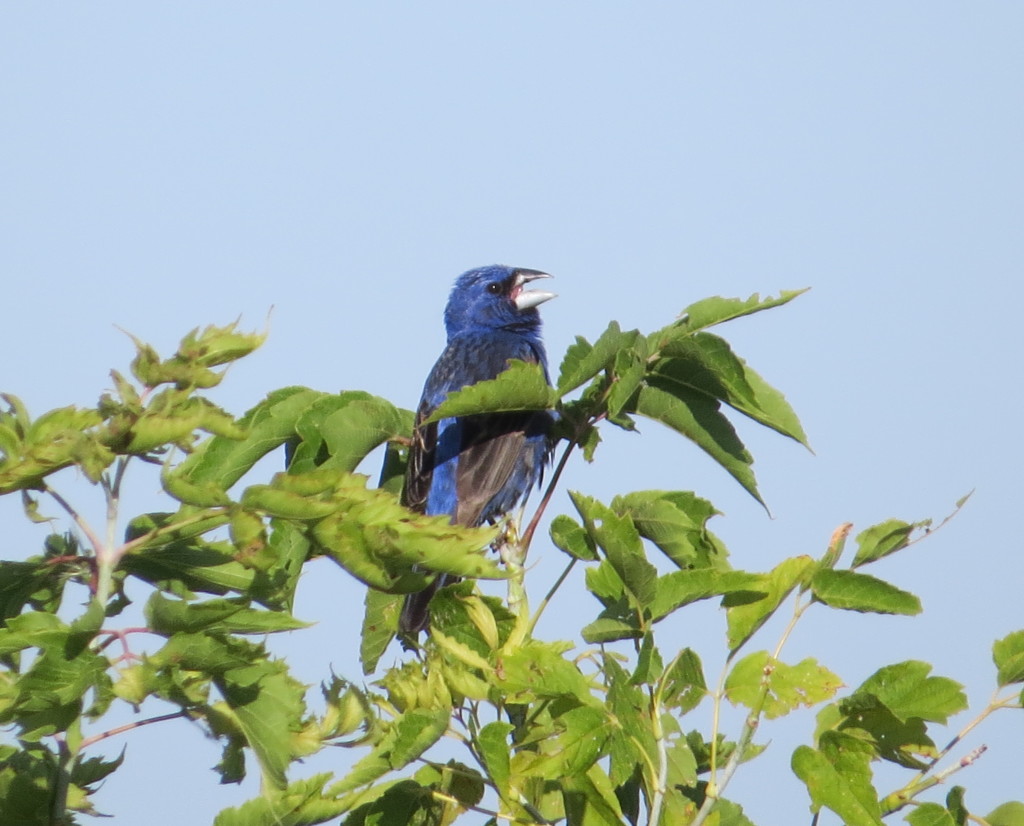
{"x":549,"y":732}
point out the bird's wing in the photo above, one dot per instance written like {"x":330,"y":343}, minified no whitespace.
{"x":492,"y":449}
{"x":493,"y":454}
{"x":420,"y":469}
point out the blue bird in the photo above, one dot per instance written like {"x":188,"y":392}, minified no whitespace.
{"x":475,"y":469}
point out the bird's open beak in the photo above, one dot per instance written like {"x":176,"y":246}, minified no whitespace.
{"x":525,"y":299}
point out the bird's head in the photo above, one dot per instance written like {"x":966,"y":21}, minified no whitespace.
{"x":495,"y":297}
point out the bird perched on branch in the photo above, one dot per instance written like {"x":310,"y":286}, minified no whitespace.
{"x":477,"y":468}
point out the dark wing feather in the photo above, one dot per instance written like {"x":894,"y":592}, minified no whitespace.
{"x":492,"y":448}
{"x":420,"y":468}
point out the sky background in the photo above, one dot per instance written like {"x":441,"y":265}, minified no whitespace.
{"x":166,"y":166}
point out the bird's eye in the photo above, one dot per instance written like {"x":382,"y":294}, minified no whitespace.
{"x":494,"y":287}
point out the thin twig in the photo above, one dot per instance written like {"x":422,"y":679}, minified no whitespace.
{"x":550,"y":594}
{"x":120,"y":634}
{"x":901,"y":797}
{"x":58,"y":809}
{"x":718,"y":783}
{"x":86,"y":528}
{"x":88,"y":741}
{"x":661,"y":778}
{"x":897,"y":800}
{"x":527,"y":536}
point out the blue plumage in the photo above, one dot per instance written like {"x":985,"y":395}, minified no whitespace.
{"x":475,"y":469}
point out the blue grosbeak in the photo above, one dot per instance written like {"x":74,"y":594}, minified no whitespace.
{"x":475,"y":469}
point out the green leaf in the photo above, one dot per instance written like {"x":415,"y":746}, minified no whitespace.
{"x":956,"y":806}
{"x":684,"y":684}
{"x":583,"y":361}
{"x":883,"y":539}
{"x":609,"y":629}
{"x":628,"y":375}
{"x":833,"y":789}
{"x":589,"y":799}
{"x":679,"y":588}
{"x":493,"y":744}
{"x":89,"y":772}
{"x":268,"y":425}
{"x":200,"y":495}
{"x":408,"y":737}
{"x":1008,"y":655}
{"x":378,"y":541}
{"x":859,"y":592}
{"x":301,"y":803}
{"x":621,"y":542}
{"x":748,"y":609}
{"x":262,"y":701}
{"x":380,"y":619}
{"x":676,"y":522}
{"x":523,"y":386}
{"x":339,"y":431}
{"x":930,"y":814}
{"x":573,"y":745}
{"x":904,"y":742}
{"x":537,"y":669}
{"x":569,"y":536}
{"x":226,"y":616}
{"x":1009,"y":814}
{"x":907,"y":691}
{"x":711,"y":311}
{"x":699,"y":419}
{"x":184,"y":566}
{"x":706,"y":364}
{"x":760,"y":682}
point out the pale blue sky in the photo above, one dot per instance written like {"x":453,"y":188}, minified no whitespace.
{"x":164,"y":166}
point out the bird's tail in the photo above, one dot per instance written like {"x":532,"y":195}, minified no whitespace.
{"x":415,"y":614}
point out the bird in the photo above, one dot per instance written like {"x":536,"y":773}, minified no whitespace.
{"x":475,"y":469}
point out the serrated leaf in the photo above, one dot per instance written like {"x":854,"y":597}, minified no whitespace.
{"x":589,"y":799}
{"x":852,"y":591}
{"x":301,"y":803}
{"x":583,"y":361}
{"x":339,"y":431}
{"x":904,"y":742}
{"x":929,"y":814}
{"x":777,"y":688}
{"x":711,"y":311}
{"x":706,"y":364}
{"x":747,"y":610}
{"x":538,"y":669}
{"x":225,"y":616}
{"x":684,"y":684}
{"x":676,"y":522}
{"x":569,"y":536}
{"x":699,"y":419}
{"x":679,"y":588}
{"x":411,"y":734}
{"x":1008,"y":655}
{"x":268,"y":425}
{"x":883,"y":539}
{"x":907,"y":690}
{"x":184,"y":566}
{"x":611,"y":629}
{"x":494,"y":751}
{"x":380,"y":619}
{"x":621,"y":542}
{"x":523,"y":386}
{"x":829,"y":788}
